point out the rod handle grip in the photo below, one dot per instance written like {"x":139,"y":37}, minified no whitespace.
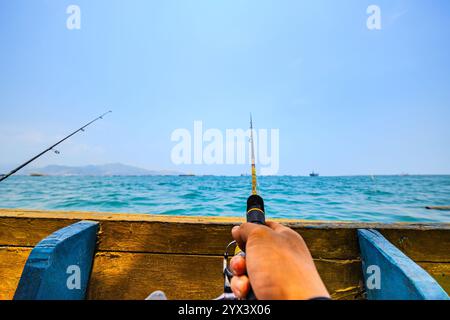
{"x":255,"y":210}
{"x":255,"y":214}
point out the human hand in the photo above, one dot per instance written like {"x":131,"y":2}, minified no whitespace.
{"x":277,"y":264}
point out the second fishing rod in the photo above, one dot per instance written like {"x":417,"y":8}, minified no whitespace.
{"x":4,"y":177}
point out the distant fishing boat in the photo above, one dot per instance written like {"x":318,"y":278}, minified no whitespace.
{"x":404,"y":174}
{"x":313,"y":174}
{"x":35,"y":174}
{"x":446,"y":208}
{"x":186,"y":175}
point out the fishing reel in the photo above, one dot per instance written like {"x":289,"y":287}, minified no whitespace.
{"x":227,"y":274}
{"x":255,"y":214}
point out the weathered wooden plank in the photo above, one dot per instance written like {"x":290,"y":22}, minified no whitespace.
{"x":196,"y":237}
{"x":112,"y":267}
{"x":421,"y":245}
{"x":27,"y":232}
{"x":119,"y":275}
{"x":204,"y":235}
{"x":210,"y":239}
{"x":59,"y":266}
{"x":394,"y":275}
{"x":440,"y":272}
{"x":12,"y":261}
{"x":342,"y":278}
{"x":172,"y":237}
{"x":105,"y":216}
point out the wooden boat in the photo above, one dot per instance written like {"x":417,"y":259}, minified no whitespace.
{"x":36,"y":174}
{"x":443,"y":208}
{"x":128,"y":256}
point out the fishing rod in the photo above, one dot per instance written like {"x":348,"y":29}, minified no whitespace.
{"x":255,"y":204}
{"x":51,"y":148}
{"x":255,"y":214}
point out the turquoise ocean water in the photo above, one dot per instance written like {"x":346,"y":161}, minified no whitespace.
{"x":358,"y":198}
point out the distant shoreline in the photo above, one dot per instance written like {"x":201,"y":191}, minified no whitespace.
{"x":123,"y":170}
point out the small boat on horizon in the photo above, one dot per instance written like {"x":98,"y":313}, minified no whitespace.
{"x":313,"y":174}
{"x":35,"y":174}
{"x":404,"y":174}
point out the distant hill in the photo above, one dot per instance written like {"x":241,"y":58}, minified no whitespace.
{"x":111,"y":169}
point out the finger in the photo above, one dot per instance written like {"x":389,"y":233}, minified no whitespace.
{"x":235,"y":233}
{"x":240,"y":286}
{"x":244,"y":231}
{"x":238,"y":265}
{"x":275,"y":225}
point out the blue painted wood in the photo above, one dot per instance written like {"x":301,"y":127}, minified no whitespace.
{"x":400,"y":277}
{"x":57,"y":263}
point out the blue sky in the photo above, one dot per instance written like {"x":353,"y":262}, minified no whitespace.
{"x":347,"y":100}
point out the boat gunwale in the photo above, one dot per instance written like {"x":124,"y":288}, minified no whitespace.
{"x":211,"y":220}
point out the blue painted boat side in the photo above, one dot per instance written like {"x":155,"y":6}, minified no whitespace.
{"x":59,"y":266}
{"x":400,"y":278}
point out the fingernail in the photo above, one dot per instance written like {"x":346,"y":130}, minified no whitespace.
{"x":234,"y":228}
